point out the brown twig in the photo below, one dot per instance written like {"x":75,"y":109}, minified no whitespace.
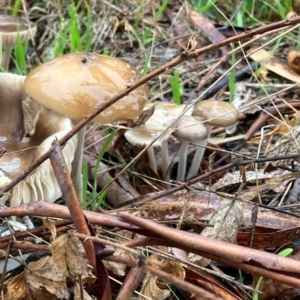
{"x":69,"y":194}
{"x":176,"y":61}
{"x":68,"y":191}
{"x":282,"y":269}
{"x":52,"y":210}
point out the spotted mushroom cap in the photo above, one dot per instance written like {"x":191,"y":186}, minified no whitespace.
{"x":75,"y":84}
{"x":216,"y":113}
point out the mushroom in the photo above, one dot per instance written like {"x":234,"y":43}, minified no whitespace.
{"x":13,"y":29}
{"x":213,"y":113}
{"x":150,"y":136}
{"x":75,"y":84}
{"x":26,"y":132}
{"x":165,"y":116}
{"x":188,"y":130}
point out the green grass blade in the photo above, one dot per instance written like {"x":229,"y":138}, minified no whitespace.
{"x":100,"y":155}
{"x":176,"y":88}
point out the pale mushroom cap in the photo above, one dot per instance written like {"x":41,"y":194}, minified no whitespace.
{"x":13,"y":27}
{"x":166,"y":113}
{"x":145,"y":134}
{"x":76,"y":84}
{"x":190,"y":130}
{"x":219,"y":113}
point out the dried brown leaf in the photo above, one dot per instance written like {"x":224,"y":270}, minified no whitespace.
{"x":51,"y":227}
{"x":157,"y":289}
{"x":15,"y":288}
{"x":67,"y":257}
{"x":224,"y":226}
{"x":43,"y":282}
{"x":273,"y":64}
{"x":117,"y":268}
{"x":208,"y":28}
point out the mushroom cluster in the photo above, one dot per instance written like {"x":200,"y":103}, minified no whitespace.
{"x":188,"y":126}
{"x":56,"y":94}
{"x":26,"y":132}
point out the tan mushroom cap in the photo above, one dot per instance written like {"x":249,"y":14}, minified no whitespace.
{"x":190,"y":130}
{"x":144,"y":135}
{"x":13,"y":27}
{"x":76,"y":84}
{"x":219,"y":113}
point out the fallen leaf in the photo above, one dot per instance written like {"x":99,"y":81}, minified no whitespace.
{"x":273,"y":64}
{"x":15,"y":288}
{"x":51,"y":227}
{"x":67,"y":257}
{"x":208,"y":28}
{"x":157,"y":289}
{"x":223,"y":226}
{"x":43,"y":282}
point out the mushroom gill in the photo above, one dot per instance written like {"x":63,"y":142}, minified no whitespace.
{"x":27,"y":130}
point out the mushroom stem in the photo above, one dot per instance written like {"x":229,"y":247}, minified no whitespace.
{"x":6,"y":56}
{"x":165,"y":163}
{"x":152,"y":161}
{"x":0,"y":49}
{"x":194,"y":169}
{"x":182,"y":161}
{"x":76,"y":173}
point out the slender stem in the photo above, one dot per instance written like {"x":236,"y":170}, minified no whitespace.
{"x":182,"y":161}
{"x":152,"y":161}
{"x":165,"y":164}
{"x":0,"y":50}
{"x":194,"y":169}
{"x":6,"y":57}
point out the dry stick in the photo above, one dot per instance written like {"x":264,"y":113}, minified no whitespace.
{"x":146,"y":78}
{"x":131,"y":282}
{"x":144,"y":263}
{"x":69,"y":194}
{"x":191,"y":288}
{"x":48,"y":209}
{"x":269,"y":265}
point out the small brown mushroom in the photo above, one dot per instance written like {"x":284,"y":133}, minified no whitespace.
{"x":213,"y":113}
{"x":13,"y":29}
{"x":188,"y":130}
{"x":151,"y":137}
